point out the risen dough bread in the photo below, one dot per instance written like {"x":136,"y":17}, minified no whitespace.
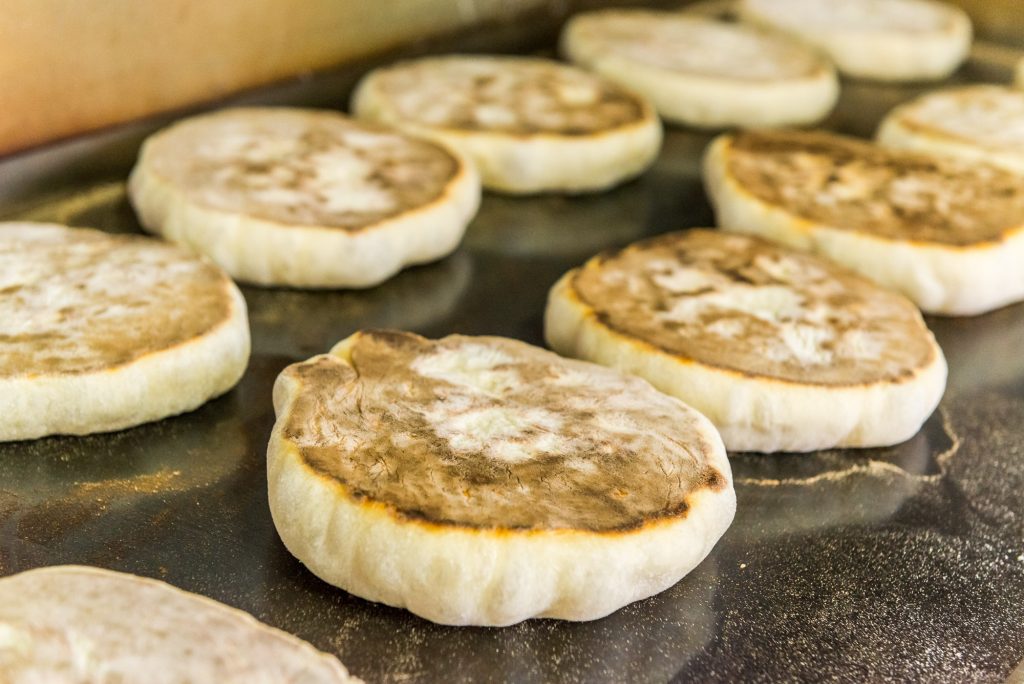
{"x":483,"y":481}
{"x":68,"y":624}
{"x":884,"y":40}
{"x":101,"y":332}
{"x":530,"y":125}
{"x":781,"y":350}
{"x":703,"y":72}
{"x":975,"y":123}
{"x":302,"y":197}
{"x":948,"y":235}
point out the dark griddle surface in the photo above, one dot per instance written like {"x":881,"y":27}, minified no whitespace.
{"x":886,"y":564}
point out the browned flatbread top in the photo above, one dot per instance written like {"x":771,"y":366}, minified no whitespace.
{"x":485,"y":432}
{"x":512,"y":95}
{"x":849,"y":184}
{"x":79,"y":300}
{"x":683,"y":43}
{"x":746,"y":305}
{"x":67,"y":624}
{"x":984,"y":115}
{"x":299,"y":167}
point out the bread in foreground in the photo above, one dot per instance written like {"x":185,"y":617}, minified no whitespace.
{"x":977,"y":123}
{"x":781,"y":350}
{"x":887,"y":40}
{"x":82,"y":624}
{"x":100,"y":332}
{"x":484,"y":481}
{"x":530,"y":125}
{"x":703,"y":72}
{"x":305,"y":198}
{"x":948,"y":235}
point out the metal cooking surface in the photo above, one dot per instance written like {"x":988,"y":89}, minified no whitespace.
{"x":882,"y":564}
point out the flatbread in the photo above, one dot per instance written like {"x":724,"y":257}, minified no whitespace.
{"x":783,"y":351}
{"x":81,"y":624}
{"x":948,"y":235}
{"x":883,"y":40}
{"x":530,"y":125}
{"x":302,"y":197}
{"x":974,"y":123}
{"x":483,"y":481}
{"x":704,"y":72}
{"x":100,"y":332}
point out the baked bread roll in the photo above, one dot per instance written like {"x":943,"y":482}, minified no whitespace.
{"x":101,"y":332}
{"x":304,"y":198}
{"x":948,"y":235}
{"x":883,"y":40}
{"x":530,"y":125}
{"x":81,"y":624}
{"x":975,"y":123}
{"x":483,"y":481}
{"x":702,"y":72}
{"x":781,"y":350}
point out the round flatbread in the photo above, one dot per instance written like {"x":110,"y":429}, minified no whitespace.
{"x":975,"y":123}
{"x":100,"y":332}
{"x":483,"y":481}
{"x":703,"y":72}
{"x":948,"y":235}
{"x":884,"y":40}
{"x":302,"y":197}
{"x":530,"y":125}
{"x":783,"y":351}
{"x":81,"y":624}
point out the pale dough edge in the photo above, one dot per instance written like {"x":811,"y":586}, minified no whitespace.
{"x":160,"y":384}
{"x":894,"y":133}
{"x":886,"y":55}
{"x":461,"y":576}
{"x":532,"y":163}
{"x":709,"y":102}
{"x":753,"y":413}
{"x":940,"y":279}
{"x":240,"y":617}
{"x":265,"y":252}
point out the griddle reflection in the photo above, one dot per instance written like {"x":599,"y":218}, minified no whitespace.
{"x":75,"y":497}
{"x":300,"y":323}
{"x":653,"y":639}
{"x":784,"y":494}
{"x":650,"y":640}
{"x":559,"y":225}
{"x":983,"y":351}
